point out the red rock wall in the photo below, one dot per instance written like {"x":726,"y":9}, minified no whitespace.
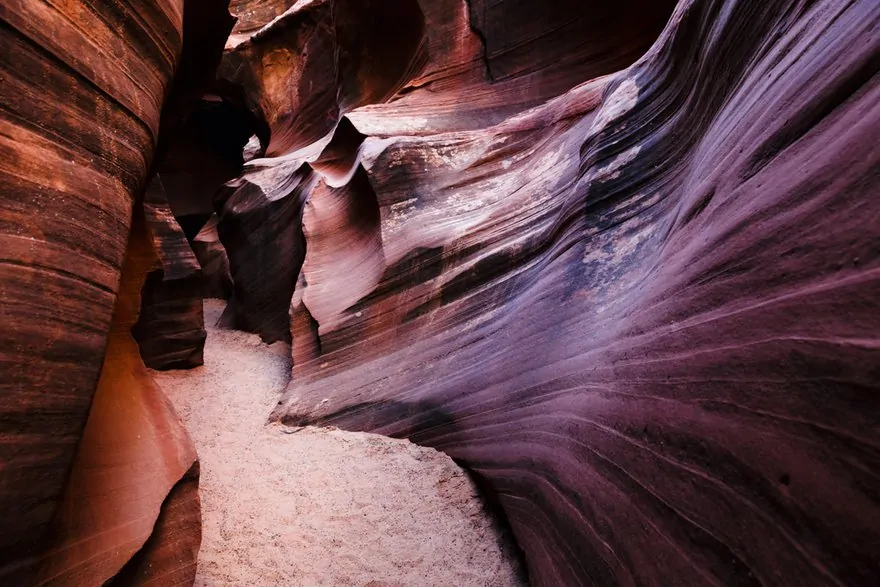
{"x":92,"y":451}
{"x":644,"y":311}
{"x":78,"y":136}
{"x":133,"y":453}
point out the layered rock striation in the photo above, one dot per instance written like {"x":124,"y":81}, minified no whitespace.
{"x":98,"y":477}
{"x":637,"y":303}
{"x":618,"y":260}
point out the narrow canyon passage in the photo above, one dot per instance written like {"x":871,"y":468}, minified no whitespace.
{"x":617,"y":262}
{"x":313,"y":506}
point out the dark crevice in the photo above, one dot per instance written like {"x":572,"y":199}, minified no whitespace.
{"x":503,"y":528}
{"x":206,"y":153}
{"x":203,"y":153}
{"x":698,"y":208}
{"x":484,"y":43}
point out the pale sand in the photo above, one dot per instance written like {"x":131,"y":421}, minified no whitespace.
{"x":321,"y":506}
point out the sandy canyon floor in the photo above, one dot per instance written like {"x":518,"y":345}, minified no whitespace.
{"x":321,"y":507}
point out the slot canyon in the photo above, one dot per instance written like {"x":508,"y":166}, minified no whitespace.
{"x":413,"y":293}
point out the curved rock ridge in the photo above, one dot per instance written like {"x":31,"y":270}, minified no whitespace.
{"x":409,"y":71}
{"x":643,"y":310}
{"x":97,"y":475}
{"x":317,"y":60}
{"x":253,"y":15}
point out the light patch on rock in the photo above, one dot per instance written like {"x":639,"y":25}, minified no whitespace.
{"x":612,"y":170}
{"x":371,"y":124}
{"x":251,"y":149}
{"x":621,"y":101}
{"x":397,"y":214}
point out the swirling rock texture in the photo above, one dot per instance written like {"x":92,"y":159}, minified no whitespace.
{"x":97,"y":475}
{"x":299,"y":67}
{"x":626,"y":274}
{"x":77,"y":139}
{"x":637,"y":296}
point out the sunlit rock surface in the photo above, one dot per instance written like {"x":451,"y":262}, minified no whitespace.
{"x":131,"y":499}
